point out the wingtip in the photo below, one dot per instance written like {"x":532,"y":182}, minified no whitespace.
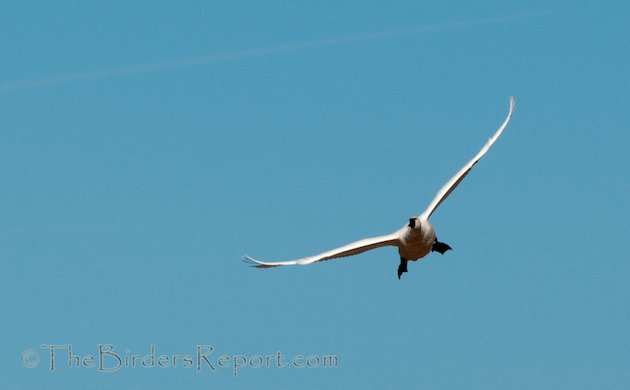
{"x":249,"y":260}
{"x":254,"y":263}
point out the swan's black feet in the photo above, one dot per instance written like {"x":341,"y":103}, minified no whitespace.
{"x":402,"y":267}
{"x":440,"y":247}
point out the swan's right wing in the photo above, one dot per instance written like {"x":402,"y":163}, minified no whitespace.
{"x":447,"y":188}
{"x":346,"y":250}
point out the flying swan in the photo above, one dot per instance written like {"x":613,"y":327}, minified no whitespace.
{"x":414,"y":240}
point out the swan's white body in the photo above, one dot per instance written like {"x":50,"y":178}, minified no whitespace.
{"x":414,"y":240}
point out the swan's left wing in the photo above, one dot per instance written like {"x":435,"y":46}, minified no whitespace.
{"x":447,"y":188}
{"x":346,"y":250}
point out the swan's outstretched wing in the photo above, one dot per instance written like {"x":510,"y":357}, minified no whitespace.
{"x":346,"y":250}
{"x":446,"y":189}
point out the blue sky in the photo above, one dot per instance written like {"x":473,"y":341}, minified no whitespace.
{"x":146,"y":146}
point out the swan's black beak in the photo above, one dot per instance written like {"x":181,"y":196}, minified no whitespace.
{"x":412,"y":222}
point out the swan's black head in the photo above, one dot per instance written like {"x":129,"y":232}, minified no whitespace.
{"x":414,"y":223}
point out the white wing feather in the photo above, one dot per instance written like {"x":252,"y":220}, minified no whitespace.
{"x":446,"y":189}
{"x":346,"y":250}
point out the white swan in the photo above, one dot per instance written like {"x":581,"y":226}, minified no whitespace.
{"x":414,"y":240}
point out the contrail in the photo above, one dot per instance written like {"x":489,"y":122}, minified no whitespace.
{"x":260,"y":51}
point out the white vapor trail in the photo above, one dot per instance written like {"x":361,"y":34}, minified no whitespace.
{"x":223,"y":56}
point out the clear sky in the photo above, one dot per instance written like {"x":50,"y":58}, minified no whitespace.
{"x":146,"y":146}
